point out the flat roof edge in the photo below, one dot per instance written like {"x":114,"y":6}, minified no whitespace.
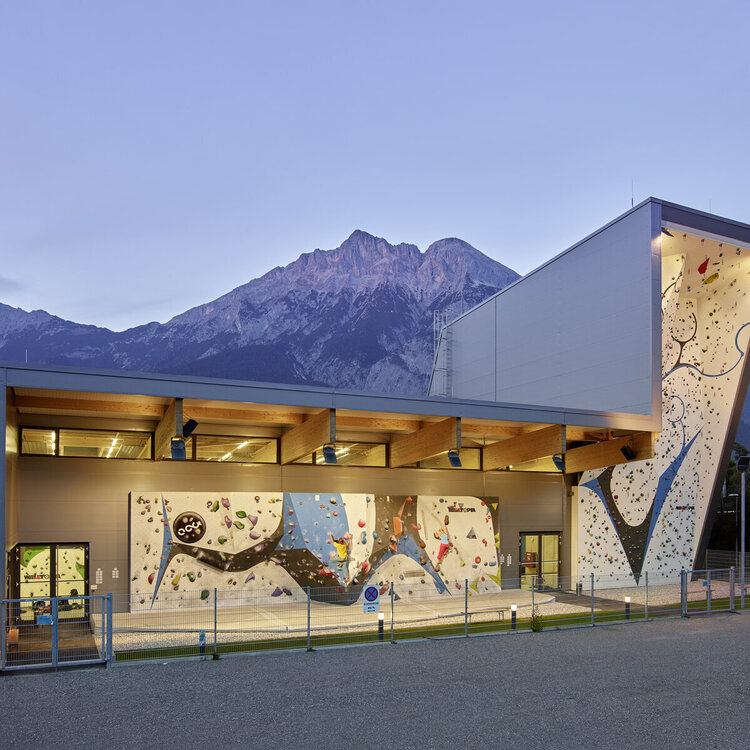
{"x":211,"y":389}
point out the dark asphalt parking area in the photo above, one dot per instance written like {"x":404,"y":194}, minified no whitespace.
{"x":665,"y":684}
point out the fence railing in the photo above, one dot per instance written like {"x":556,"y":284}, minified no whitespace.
{"x":53,"y":632}
{"x":213,"y":622}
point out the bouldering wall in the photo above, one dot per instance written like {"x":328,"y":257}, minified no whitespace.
{"x":183,"y":545}
{"x":648,"y":515}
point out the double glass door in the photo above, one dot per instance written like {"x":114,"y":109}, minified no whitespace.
{"x":539,"y":558}
{"x":41,"y":571}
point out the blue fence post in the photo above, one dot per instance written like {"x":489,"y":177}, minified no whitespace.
{"x":216,"y":624}
{"x":683,"y":593}
{"x":55,"y":631}
{"x":110,"y":643}
{"x":592,"y":601}
{"x":646,"y":607}
{"x":708,"y":591}
{"x":466,"y":607}
{"x":392,"y":598}
{"x":731,"y":589}
{"x":309,"y":646}
{"x":3,"y":644}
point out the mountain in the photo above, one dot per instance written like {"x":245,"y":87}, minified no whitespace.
{"x":356,"y":317}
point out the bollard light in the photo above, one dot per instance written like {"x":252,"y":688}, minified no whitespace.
{"x":381,"y":618}
{"x":513,"y":609}
{"x":627,"y":607}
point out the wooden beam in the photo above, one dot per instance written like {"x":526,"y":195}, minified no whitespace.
{"x":264,"y":416}
{"x":433,"y":438}
{"x":313,"y":433}
{"x":49,"y":403}
{"x":581,"y":435}
{"x":377,"y":424}
{"x":169,"y":426}
{"x":477,"y":428}
{"x":608,"y":453}
{"x":528,"y":447}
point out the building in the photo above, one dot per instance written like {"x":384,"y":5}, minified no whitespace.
{"x":649,"y":315}
{"x":590,"y":436}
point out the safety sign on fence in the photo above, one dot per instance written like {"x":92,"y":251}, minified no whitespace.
{"x":371,"y":601}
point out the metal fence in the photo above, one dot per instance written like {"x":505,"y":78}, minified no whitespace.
{"x":720,"y":558}
{"x":53,"y":632}
{"x":214,"y":622}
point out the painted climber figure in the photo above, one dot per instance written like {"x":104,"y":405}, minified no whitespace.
{"x":342,"y":545}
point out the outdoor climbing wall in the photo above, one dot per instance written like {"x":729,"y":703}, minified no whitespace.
{"x":185,"y":544}
{"x":648,"y":515}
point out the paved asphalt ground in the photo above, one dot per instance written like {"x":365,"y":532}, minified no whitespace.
{"x":669,"y":684}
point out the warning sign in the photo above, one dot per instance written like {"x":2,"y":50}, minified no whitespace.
{"x":371,"y":601}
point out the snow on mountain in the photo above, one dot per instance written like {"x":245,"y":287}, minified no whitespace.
{"x":359,"y":316}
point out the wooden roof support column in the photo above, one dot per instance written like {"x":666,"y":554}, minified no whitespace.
{"x":169,"y":426}
{"x":609,"y":452}
{"x":313,"y":433}
{"x":433,"y":438}
{"x":532,"y":445}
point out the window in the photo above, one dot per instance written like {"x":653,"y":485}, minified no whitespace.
{"x":70,"y":443}
{"x":36,"y":442}
{"x":232,"y":449}
{"x":350,"y":454}
{"x":229,"y":449}
{"x":356,"y":454}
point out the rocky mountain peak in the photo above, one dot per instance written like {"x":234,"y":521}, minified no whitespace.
{"x":358,"y":316}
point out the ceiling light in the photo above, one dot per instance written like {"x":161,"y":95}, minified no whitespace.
{"x":454,"y":458}
{"x":329,"y":453}
{"x":559,"y":461}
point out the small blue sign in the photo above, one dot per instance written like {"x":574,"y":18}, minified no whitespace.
{"x":44,"y":619}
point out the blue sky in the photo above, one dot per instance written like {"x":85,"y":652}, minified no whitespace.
{"x":154,"y":155}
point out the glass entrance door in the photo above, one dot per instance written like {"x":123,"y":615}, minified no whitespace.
{"x":70,"y":579}
{"x":41,"y":571}
{"x":539,"y":559}
{"x":34,"y":579}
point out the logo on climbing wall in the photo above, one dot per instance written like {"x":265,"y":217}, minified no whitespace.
{"x":189,"y":527}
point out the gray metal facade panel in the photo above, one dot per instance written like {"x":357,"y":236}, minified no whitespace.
{"x":578,"y":332}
